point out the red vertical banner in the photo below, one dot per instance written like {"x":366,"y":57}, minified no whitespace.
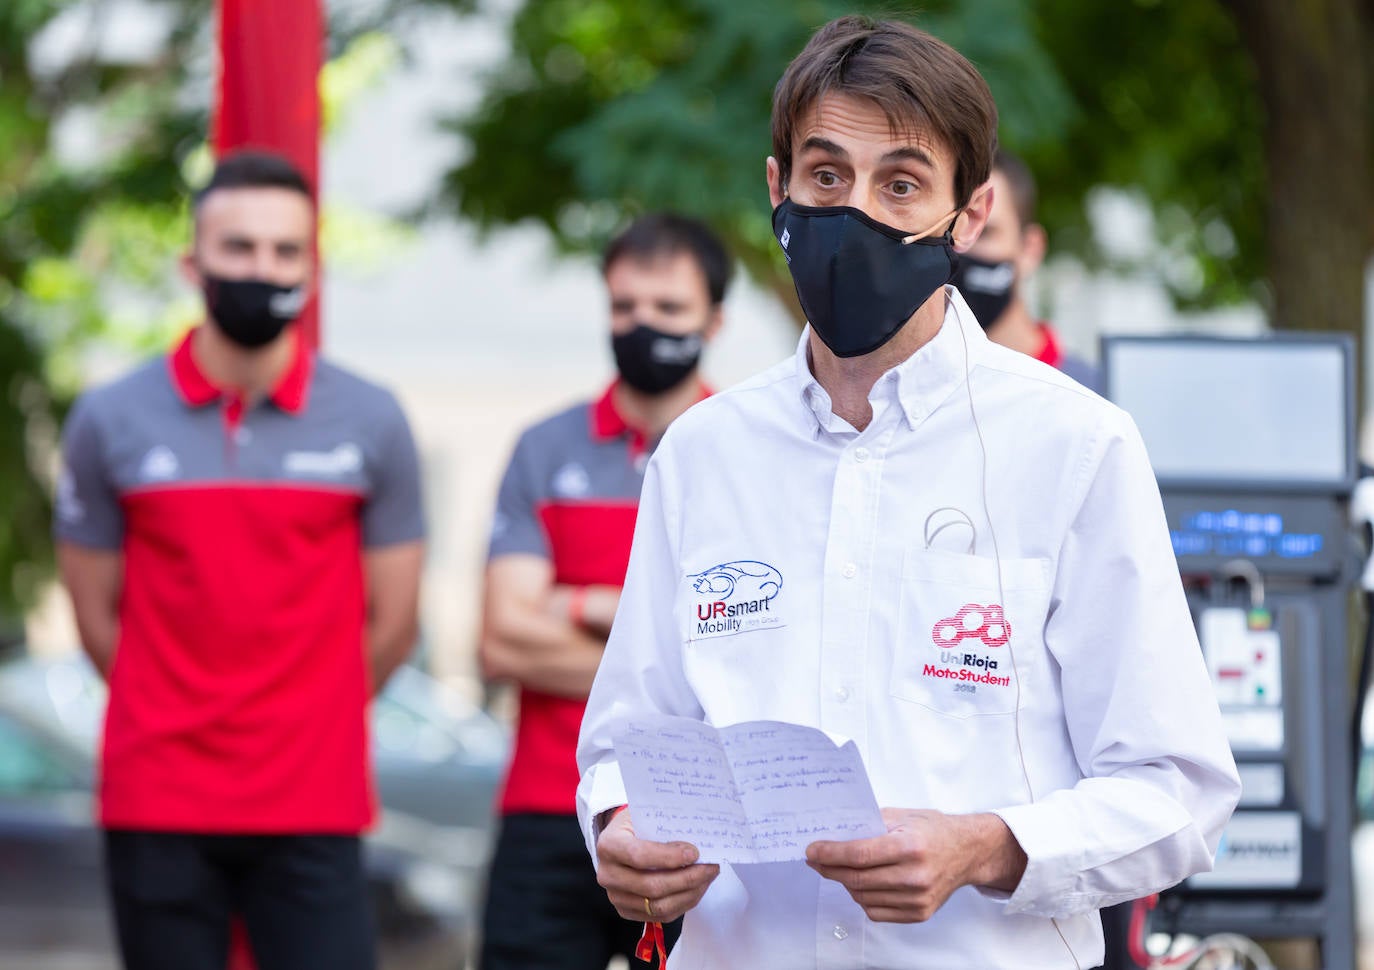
{"x":268,"y":90}
{"x":267,"y":97}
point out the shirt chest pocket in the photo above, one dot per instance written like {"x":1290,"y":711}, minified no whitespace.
{"x":967,"y":639}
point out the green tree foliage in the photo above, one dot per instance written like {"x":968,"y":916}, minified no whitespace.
{"x":607,"y":107}
{"x":45,"y":205}
{"x":1165,"y":105}
{"x":610,"y":107}
{"x":87,"y":244}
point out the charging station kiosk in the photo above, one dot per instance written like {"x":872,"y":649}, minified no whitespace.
{"x":1253,"y":445}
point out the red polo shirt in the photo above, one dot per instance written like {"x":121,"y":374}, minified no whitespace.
{"x":239,"y":687}
{"x":571,"y":495}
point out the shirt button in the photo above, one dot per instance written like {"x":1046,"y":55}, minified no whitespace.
{"x":861,"y":454}
{"x":850,"y":571}
{"x":841,"y":932}
{"x":242,"y":435}
{"x":841,"y":694}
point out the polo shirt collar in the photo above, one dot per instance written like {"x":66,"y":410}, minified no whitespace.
{"x":919,"y":384}
{"x":609,"y":423}
{"x":196,"y":390}
{"x":1050,"y":352}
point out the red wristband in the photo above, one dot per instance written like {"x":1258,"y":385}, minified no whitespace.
{"x":577,"y":605}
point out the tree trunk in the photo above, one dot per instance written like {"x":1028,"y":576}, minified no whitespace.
{"x":1311,"y":60}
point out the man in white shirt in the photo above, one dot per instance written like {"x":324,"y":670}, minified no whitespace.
{"x":966,"y":571}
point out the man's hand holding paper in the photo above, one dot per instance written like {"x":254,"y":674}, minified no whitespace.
{"x":656,"y":881}
{"x":905,"y":875}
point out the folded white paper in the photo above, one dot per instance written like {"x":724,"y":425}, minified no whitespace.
{"x":759,"y":791}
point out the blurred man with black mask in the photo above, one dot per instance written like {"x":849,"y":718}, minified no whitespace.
{"x":239,"y":526}
{"x":992,"y":274}
{"x":560,"y":546}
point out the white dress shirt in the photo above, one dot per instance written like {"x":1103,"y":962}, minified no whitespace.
{"x":993,"y":541}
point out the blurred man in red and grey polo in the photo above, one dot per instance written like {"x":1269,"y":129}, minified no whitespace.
{"x":239,"y":527}
{"x":560,"y":545}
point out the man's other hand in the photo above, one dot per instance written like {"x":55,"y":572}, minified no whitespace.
{"x":907,"y":874}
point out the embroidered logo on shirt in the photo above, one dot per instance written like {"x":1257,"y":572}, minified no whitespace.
{"x":988,"y":628}
{"x":985,"y":623}
{"x":342,"y":460}
{"x":571,"y":481}
{"x":735,"y":597}
{"x":159,"y":465}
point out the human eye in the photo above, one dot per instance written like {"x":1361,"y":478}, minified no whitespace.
{"x":902,"y":188}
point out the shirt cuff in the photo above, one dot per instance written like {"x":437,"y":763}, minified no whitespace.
{"x":604,"y":788}
{"x":1050,"y":862}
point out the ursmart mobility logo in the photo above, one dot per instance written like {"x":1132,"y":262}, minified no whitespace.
{"x":959,"y":637}
{"x":735,"y":597}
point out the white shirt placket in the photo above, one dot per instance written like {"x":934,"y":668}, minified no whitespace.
{"x":847,"y":592}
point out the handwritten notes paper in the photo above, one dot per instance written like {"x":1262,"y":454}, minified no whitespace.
{"x":761,"y":791}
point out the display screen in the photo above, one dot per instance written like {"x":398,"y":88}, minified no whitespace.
{"x":1264,"y":412}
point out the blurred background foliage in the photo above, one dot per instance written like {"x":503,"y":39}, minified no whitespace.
{"x":89,"y":231}
{"x":608,"y":107}
{"x":1244,"y":126}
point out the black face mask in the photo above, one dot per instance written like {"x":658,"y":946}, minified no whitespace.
{"x":987,"y":287}
{"x":251,"y":313}
{"x":652,"y":361}
{"x":858,"y":280}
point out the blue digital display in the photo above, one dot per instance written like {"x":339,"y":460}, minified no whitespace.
{"x":1249,"y":534}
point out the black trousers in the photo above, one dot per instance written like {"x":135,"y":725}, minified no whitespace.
{"x":545,"y":909}
{"x":303,"y":900}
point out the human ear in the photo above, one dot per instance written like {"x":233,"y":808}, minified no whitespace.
{"x":776,"y":190}
{"x":974,"y":217}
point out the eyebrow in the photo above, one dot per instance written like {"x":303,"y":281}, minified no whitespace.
{"x":909,"y":153}
{"x":905,"y":153}
{"x":825,"y":145}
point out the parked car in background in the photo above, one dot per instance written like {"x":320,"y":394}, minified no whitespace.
{"x":438,"y":761}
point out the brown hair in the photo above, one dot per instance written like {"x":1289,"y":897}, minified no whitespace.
{"x":1021,"y":182}
{"x":667,"y":234}
{"x":919,"y":82}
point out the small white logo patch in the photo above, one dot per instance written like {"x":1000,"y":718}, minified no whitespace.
{"x":159,"y":465}
{"x":343,"y":460}
{"x":785,"y":238}
{"x":287,"y":305}
{"x":571,"y":481}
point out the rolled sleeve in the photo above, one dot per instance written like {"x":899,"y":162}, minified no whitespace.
{"x":1159,"y":781}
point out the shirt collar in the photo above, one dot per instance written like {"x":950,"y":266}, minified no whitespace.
{"x":608,"y":422}
{"x":195,"y":389}
{"x":919,"y":384}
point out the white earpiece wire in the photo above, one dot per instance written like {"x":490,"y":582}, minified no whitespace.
{"x":1002,"y":600}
